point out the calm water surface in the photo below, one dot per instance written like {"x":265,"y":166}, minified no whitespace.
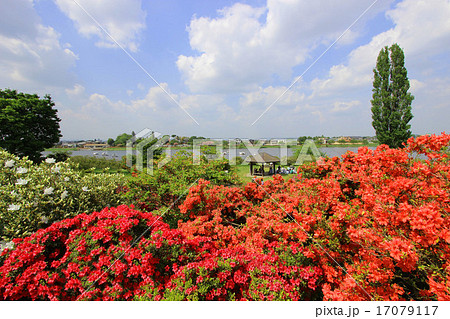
{"x":117,"y":155}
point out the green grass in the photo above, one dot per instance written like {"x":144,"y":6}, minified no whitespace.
{"x":61,"y":149}
{"x":243,"y":171}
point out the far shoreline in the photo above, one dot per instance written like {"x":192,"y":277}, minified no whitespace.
{"x":68,"y":149}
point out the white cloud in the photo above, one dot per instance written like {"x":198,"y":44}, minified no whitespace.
{"x":229,"y":51}
{"x":264,"y":97}
{"x":32,"y":58}
{"x":416,"y":85}
{"x":122,"y":19}
{"x":422,"y":29}
{"x":102,"y":117}
{"x":156,"y":100}
{"x":77,"y":91}
{"x":344,"y":106}
{"x":245,"y":46}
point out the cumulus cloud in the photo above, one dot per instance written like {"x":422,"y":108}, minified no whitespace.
{"x":244,"y":47}
{"x":267,"y":95}
{"x":77,"y":91}
{"x":156,"y":100}
{"x":421,"y":28}
{"x":344,"y":106}
{"x":32,"y":57}
{"x":103,"y":117}
{"x":122,"y":19}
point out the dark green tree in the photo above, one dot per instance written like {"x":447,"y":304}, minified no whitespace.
{"x":302,"y":139}
{"x":110,"y":141}
{"x":391,"y":101}
{"x":122,"y":139}
{"x":28,"y":124}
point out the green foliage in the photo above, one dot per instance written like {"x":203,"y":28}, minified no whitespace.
{"x":28,"y":124}
{"x":34,"y":196}
{"x":208,"y":149}
{"x":302,"y":139}
{"x":238,"y":160}
{"x":110,"y":141}
{"x":122,"y":139}
{"x":153,"y":143}
{"x":172,"y":181}
{"x":391,"y":101}
{"x":60,"y":156}
{"x":191,"y":139}
{"x":87,"y":163}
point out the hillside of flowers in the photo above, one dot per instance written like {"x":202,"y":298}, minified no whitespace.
{"x":372,"y":225}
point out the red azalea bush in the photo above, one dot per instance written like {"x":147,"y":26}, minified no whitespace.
{"x":123,"y":254}
{"x":278,"y":273}
{"x":373,"y":225}
{"x":107,"y":255}
{"x":375,"y":222}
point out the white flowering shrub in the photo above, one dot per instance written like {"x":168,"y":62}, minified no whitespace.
{"x":34,"y":196}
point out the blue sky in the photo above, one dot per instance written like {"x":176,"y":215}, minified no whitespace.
{"x":219,"y":66}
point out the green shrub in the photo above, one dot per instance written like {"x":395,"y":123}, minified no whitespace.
{"x":170,"y":182}
{"x":86,"y":163}
{"x":60,"y":156}
{"x":238,"y":160}
{"x":34,"y":196}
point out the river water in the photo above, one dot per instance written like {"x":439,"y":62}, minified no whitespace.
{"x":241,"y":152}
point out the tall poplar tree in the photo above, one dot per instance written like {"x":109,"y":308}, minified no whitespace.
{"x":391,"y":101}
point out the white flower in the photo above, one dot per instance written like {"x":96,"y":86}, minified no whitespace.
{"x":48,"y":191}
{"x":56,"y":169}
{"x":66,"y":179}
{"x":21,"y":181}
{"x":50,"y":160}
{"x":22,"y":170}
{"x":9,"y":245}
{"x":13,"y":207}
{"x":85,"y":189}
{"x":9,"y":163}
{"x":44,"y":219}
{"x":13,"y":193}
{"x":64,"y":194}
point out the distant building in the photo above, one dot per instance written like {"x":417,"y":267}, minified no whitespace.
{"x":275,"y":142}
{"x":95,"y":146}
{"x":345,"y":139}
{"x":68,"y":144}
{"x":208,"y":143}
